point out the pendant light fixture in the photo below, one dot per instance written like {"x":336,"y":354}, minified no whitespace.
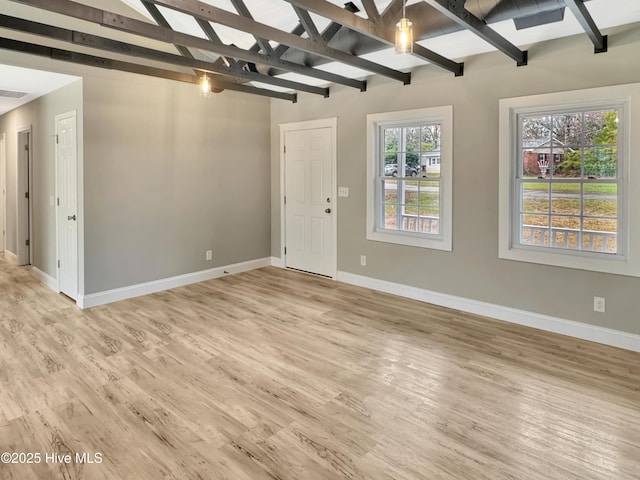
{"x":404,"y":33}
{"x":205,"y":85}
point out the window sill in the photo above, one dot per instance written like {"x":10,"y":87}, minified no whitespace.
{"x":595,"y":262}
{"x":434,"y":242}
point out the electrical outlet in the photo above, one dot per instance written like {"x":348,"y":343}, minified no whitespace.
{"x":363,"y":260}
{"x":598,"y":304}
{"x":209,"y":255}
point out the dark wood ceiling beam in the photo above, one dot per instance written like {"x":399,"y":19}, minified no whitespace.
{"x":454,"y":10}
{"x":242,"y":9}
{"x":332,"y":29}
{"x":371,"y":10}
{"x":280,"y":49}
{"x":160,"y":20}
{"x":393,"y":10}
{"x":111,"y":64}
{"x":123,"y":48}
{"x":307,"y":22}
{"x":218,"y":15}
{"x":213,"y":36}
{"x":167,"y":35}
{"x":382,"y":32}
{"x":586,"y":21}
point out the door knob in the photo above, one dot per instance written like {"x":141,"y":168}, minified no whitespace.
{"x":328,"y":210}
{"x":72,"y":217}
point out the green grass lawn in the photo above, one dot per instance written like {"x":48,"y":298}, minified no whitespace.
{"x":591,"y":188}
{"x":570,"y":206}
{"x":599,"y":201}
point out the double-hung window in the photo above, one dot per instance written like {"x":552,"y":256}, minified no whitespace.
{"x":409,"y":171}
{"x":564,"y":179}
{"x":572,"y":202}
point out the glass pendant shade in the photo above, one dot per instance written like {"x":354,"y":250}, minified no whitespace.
{"x":205,"y":86}
{"x":404,"y":36}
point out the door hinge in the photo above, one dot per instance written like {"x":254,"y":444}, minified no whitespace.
{"x":27,"y":243}
{"x":26,"y":194}
{"x":285,"y":199}
{"x":56,"y":139}
{"x":285,"y":250}
{"x":58,"y":201}
{"x":26,"y":147}
{"x":285,"y":149}
{"x":58,"y":263}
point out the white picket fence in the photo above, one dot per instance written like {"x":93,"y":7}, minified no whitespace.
{"x":569,"y":238}
{"x":416,"y":223}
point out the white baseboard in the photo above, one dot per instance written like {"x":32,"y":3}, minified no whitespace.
{"x":117,"y":294}
{"x":10,"y":257}
{"x":277,"y":262}
{"x":584,"y":331}
{"x":45,"y":278}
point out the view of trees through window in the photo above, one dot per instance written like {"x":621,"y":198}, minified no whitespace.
{"x":411,"y":200}
{"x":411,"y":142}
{"x":569,"y":180}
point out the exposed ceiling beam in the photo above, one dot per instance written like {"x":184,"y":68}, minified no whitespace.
{"x":167,"y":35}
{"x":160,"y":20}
{"x":242,"y":9}
{"x":218,"y":15}
{"x":378,"y":31}
{"x":454,"y":10}
{"x":586,"y":22}
{"x":157,"y":16}
{"x":307,"y":22}
{"x":110,"y":64}
{"x":280,"y":49}
{"x":123,"y":48}
{"x":332,"y":29}
{"x":372,"y":10}
{"x":213,"y":36}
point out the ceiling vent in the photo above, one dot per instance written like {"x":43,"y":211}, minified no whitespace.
{"x":11,"y":94}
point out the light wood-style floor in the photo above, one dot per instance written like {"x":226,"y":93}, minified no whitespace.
{"x":278,"y":375}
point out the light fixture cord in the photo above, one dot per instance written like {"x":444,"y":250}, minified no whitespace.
{"x":404,"y":5}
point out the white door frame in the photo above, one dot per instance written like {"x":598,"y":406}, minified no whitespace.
{"x":331,"y":123}
{"x":3,"y":191}
{"x":18,"y":193}
{"x":62,"y":116}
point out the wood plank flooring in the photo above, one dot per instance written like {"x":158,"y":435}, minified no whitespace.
{"x":273,"y":374}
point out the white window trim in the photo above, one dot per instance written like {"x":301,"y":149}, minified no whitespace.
{"x":442,"y":115}
{"x":629,"y":262}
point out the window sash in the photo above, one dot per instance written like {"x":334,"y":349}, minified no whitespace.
{"x":427,"y":225}
{"x":440,"y":115}
{"x":518,"y":182}
{"x":430,"y":222}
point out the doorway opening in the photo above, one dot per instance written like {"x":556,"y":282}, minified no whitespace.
{"x":24,"y":213}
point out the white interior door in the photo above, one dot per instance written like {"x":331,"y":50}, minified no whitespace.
{"x":22,"y":202}
{"x":309,"y":201}
{"x":3,"y":189}
{"x":67,"y":203}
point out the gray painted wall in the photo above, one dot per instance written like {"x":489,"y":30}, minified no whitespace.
{"x":40,"y":115}
{"x":169,"y":175}
{"x":473,"y":269}
{"x":165,"y":175}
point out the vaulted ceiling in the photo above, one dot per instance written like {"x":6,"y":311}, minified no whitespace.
{"x":280,"y":47}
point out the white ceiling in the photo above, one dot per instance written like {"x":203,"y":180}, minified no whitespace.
{"x":34,"y":83}
{"x":456,"y":46}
